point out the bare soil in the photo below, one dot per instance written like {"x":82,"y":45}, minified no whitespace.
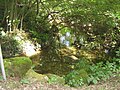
{"x":15,"y":84}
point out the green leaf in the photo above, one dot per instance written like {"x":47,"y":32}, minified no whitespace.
{"x":24,"y":81}
{"x":95,"y":81}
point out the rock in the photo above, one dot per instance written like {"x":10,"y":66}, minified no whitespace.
{"x":35,"y":58}
{"x":32,"y":75}
{"x":55,"y":79}
{"x":17,"y":66}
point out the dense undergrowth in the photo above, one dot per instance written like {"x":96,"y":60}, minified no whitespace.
{"x":93,"y":73}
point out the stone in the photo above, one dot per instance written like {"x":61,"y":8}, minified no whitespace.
{"x":55,"y":79}
{"x":17,"y":66}
{"x":34,"y":76}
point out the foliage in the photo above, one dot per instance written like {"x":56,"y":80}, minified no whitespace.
{"x":54,"y":79}
{"x":93,"y":24}
{"x":79,"y":75}
{"x":76,"y":78}
{"x":10,"y":47}
{"x":83,"y":63}
{"x":118,"y":52}
{"x":96,"y":21}
{"x":116,"y":59}
{"x":86,"y":73}
{"x":100,"y":72}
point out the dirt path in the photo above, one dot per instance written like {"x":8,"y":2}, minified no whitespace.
{"x":14,"y":84}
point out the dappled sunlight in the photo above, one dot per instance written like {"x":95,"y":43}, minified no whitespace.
{"x":68,"y":51}
{"x":88,"y":54}
{"x":62,"y":63}
{"x":74,"y":57}
{"x":76,"y":54}
{"x":71,"y":43}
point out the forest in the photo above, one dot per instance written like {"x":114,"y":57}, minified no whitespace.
{"x":60,"y":44}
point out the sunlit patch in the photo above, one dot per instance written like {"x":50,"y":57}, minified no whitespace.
{"x":88,"y":55}
{"x":27,"y":46}
{"x":74,"y":57}
{"x":3,"y":33}
{"x":28,"y":49}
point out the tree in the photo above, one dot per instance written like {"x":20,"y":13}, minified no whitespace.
{"x":91,"y":19}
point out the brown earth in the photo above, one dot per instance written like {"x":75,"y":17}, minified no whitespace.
{"x":15,"y":84}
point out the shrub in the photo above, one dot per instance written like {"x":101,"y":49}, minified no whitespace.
{"x":76,"y":78}
{"x":86,"y":73}
{"x":79,"y":76}
{"x":116,"y":60}
{"x":10,"y":47}
{"x":100,"y":71}
{"x":83,"y":63}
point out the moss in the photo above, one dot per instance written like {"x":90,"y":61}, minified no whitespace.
{"x":57,"y":68}
{"x":32,"y":75}
{"x":55,"y":79}
{"x":17,"y":66}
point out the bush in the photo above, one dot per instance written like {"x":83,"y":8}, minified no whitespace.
{"x":116,"y":59}
{"x":102,"y":71}
{"x":83,"y":63}
{"x":79,"y":76}
{"x":85,"y":73}
{"x":10,"y":47}
{"x":76,"y":78}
